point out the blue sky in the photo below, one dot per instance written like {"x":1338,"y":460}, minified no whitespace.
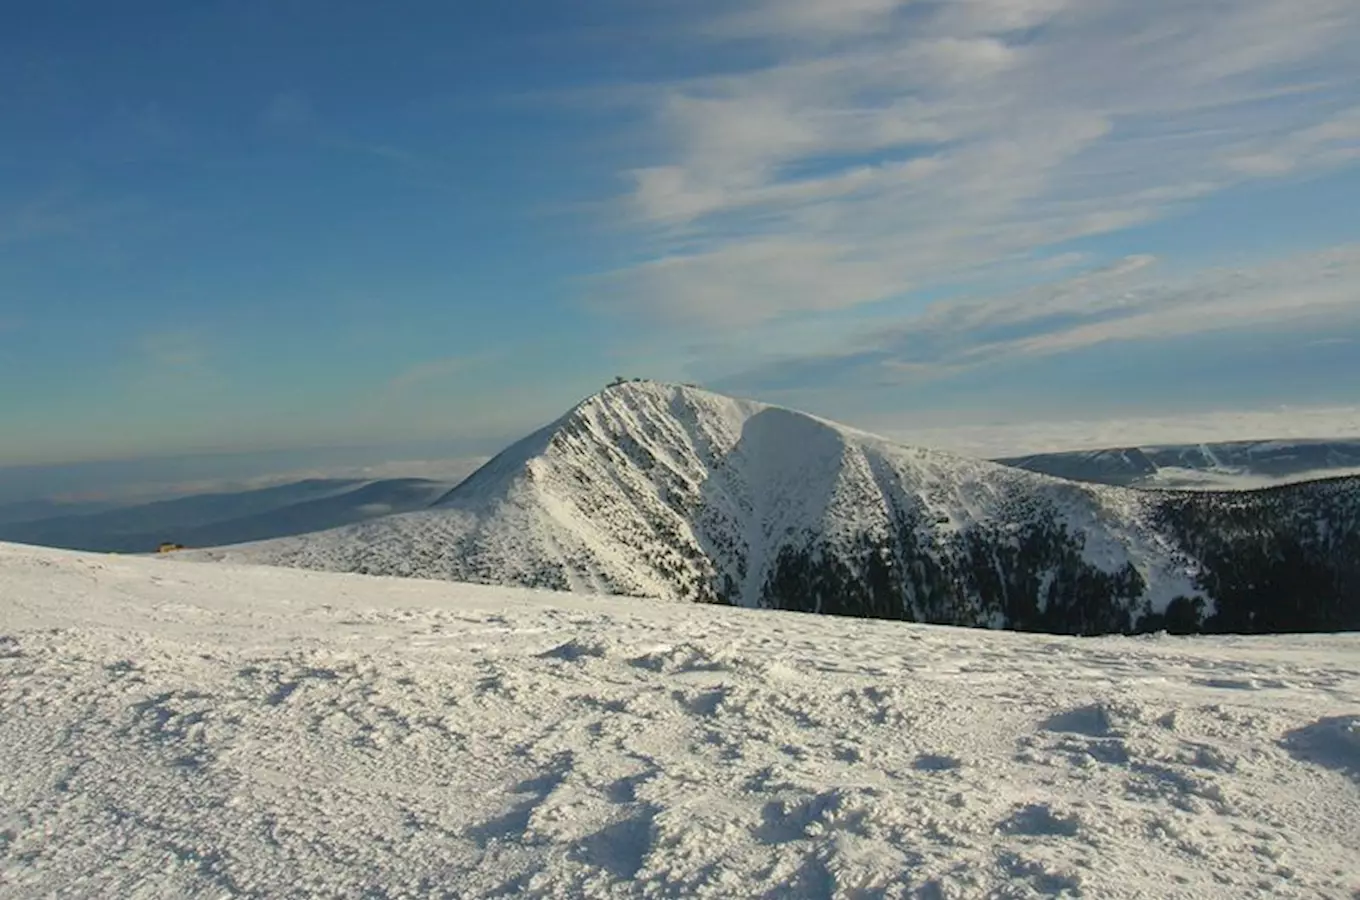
{"x":305,"y":226}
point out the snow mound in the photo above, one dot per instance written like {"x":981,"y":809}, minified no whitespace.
{"x":1333,"y":742}
{"x":175,"y":730}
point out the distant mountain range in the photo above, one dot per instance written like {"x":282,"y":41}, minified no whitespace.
{"x":672,"y":492}
{"x":207,"y":520}
{"x":33,"y":510}
{"x":1220,"y":466}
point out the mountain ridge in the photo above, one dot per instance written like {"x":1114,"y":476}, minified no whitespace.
{"x":674,"y":492}
{"x":1217,"y":465}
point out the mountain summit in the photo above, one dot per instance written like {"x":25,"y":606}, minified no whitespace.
{"x":673,"y":492}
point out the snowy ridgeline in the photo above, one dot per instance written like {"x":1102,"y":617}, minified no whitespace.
{"x":1231,"y":465}
{"x":187,"y":730}
{"x":677,"y":493}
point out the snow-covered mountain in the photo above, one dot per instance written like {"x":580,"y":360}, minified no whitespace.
{"x":1217,"y":466}
{"x":670,"y":491}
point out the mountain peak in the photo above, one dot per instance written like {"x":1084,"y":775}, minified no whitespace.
{"x":671,"y":491}
{"x":645,"y":393}
{"x":666,"y":490}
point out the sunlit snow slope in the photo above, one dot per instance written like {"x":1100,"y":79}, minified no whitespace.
{"x":175,"y":730}
{"x":669,"y":491}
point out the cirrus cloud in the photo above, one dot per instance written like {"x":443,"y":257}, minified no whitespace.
{"x":1122,"y":302}
{"x":881,"y":146}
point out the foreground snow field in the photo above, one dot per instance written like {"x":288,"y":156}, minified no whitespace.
{"x":181,"y":730}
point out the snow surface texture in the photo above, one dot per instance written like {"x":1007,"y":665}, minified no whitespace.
{"x":668,"y":491}
{"x":186,"y":730}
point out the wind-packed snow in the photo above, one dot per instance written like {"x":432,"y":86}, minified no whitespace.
{"x":187,"y":730}
{"x":674,"y":492}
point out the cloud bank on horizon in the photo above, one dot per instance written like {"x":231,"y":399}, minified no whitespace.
{"x":914,"y":216}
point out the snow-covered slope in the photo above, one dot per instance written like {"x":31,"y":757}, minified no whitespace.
{"x":172,"y":730}
{"x":673,"y":492}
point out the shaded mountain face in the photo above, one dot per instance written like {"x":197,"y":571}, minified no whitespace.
{"x":672,"y":492}
{"x":206,"y":520}
{"x":1223,"y":465}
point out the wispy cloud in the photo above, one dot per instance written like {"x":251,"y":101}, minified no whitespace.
{"x":1060,"y":262}
{"x":800,"y":18}
{"x":888,"y":145}
{"x":432,"y":371}
{"x":293,"y":116}
{"x":1125,"y":301}
{"x":1334,"y":142}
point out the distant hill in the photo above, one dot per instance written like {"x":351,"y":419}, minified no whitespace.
{"x":1219,"y":466}
{"x":671,"y":492}
{"x":206,"y":520}
{"x":32,"y":510}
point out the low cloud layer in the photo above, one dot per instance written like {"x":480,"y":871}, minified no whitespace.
{"x":125,"y":482}
{"x":1015,"y":439}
